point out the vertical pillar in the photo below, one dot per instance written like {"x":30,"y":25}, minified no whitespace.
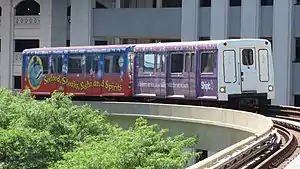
{"x":189,"y":20}
{"x":117,"y":40}
{"x":7,"y":43}
{"x":219,"y":19}
{"x":132,"y":4}
{"x":53,"y":25}
{"x":192,"y":161}
{"x":282,"y":34}
{"x":81,"y":22}
{"x":250,"y":17}
{"x":158,"y":3}
{"x":282,"y":40}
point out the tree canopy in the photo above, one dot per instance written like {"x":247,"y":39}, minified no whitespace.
{"x":56,"y":134}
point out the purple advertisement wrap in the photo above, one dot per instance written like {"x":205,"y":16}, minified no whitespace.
{"x":163,"y":83}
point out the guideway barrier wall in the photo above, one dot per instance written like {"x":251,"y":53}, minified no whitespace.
{"x":251,"y":126}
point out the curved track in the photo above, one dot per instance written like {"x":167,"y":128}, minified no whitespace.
{"x":290,"y":133}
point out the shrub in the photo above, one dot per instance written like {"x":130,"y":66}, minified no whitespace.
{"x":36,"y":134}
{"x":140,"y":147}
{"x":27,"y":149}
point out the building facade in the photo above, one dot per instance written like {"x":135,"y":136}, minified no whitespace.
{"x":45,"y":23}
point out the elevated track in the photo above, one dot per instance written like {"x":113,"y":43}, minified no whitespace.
{"x":274,"y":149}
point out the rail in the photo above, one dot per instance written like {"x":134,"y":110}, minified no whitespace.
{"x":289,"y":114}
{"x":284,"y":152}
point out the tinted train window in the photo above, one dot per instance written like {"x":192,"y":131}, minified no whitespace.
{"x":207,"y":62}
{"x":247,"y":57}
{"x":88,"y":65}
{"x":95,"y":63}
{"x":45,"y":62}
{"x":189,"y":62}
{"x":74,"y":64}
{"x":52,"y":64}
{"x":177,"y":62}
{"x":60,"y":64}
{"x":112,"y":63}
{"x":149,"y":61}
{"x":160,"y":63}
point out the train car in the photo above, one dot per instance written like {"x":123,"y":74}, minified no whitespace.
{"x":218,"y":70}
{"x":82,"y":71}
{"x":233,"y":71}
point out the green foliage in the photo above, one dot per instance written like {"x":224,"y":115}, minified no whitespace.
{"x":140,"y":147}
{"x":27,"y":149}
{"x":54,"y":132}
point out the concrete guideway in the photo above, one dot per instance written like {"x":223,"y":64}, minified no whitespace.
{"x":220,"y":130}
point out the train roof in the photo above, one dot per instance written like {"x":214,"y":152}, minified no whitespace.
{"x":193,"y":45}
{"x":174,"y":46}
{"x":78,"y":49}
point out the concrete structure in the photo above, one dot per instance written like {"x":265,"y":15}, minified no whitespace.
{"x":220,"y":130}
{"x":36,"y":23}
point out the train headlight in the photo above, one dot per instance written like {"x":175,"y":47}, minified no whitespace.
{"x":223,"y":89}
{"x":270,"y":88}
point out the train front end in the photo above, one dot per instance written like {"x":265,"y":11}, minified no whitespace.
{"x":247,"y":76}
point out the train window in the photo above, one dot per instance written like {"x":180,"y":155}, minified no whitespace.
{"x":149,"y":61}
{"x":189,"y":62}
{"x":52,"y":65}
{"x":111,"y":64}
{"x":45,"y":62}
{"x":160,"y":65}
{"x":88,"y":65}
{"x":193,"y":58}
{"x":177,"y":62}
{"x":207,"y":62}
{"x":95,"y":63}
{"x":74,"y":64}
{"x":60,"y":64}
{"x":247,"y":57}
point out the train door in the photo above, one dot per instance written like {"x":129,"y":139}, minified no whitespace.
{"x":50,"y":73}
{"x":88,"y":75}
{"x":113,"y":74}
{"x":62,"y":65}
{"x":189,"y":69}
{"x":161,"y":73}
{"x":177,"y":80}
{"x":148,"y":72}
{"x":248,"y":73}
{"x":97,"y":74}
{"x":207,"y":74}
{"x":76,"y":81}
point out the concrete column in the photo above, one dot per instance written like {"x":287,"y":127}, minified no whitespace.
{"x":219,"y":19}
{"x":81,"y":22}
{"x":282,"y":40}
{"x":53,"y":29}
{"x":250,"y":17}
{"x":118,"y":5}
{"x":192,"y":161}
{"x":189,"y":20}
{"x":132,"y":4}
{"x":158,"y":3}
{"x":7,"y":41}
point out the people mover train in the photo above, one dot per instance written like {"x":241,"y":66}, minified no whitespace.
{"x":216,"y":70}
